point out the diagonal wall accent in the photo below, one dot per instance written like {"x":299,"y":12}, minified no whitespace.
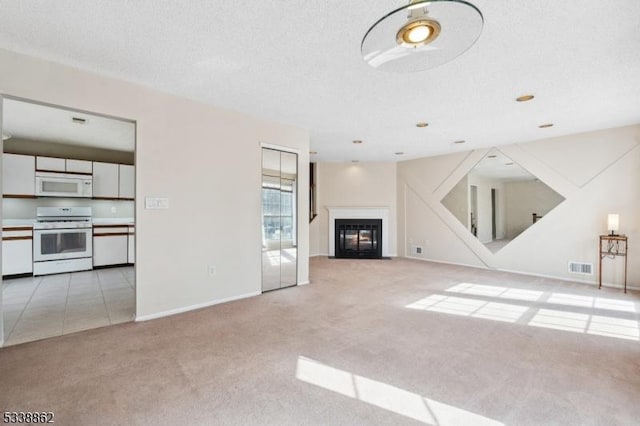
{"x":568,"y":233}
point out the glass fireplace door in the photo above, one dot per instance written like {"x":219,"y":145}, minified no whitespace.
{"x":279,"y":224}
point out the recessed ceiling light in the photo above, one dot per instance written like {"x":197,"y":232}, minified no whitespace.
{"x":459,"y":142}
{"x":547,"y":125}
{"x":357,"y":141}
{"x":399,"y":153}
{"x":524,"y":98}
{"x":6,"y":136}
{"x":491,"y":156}
{"x":79,"y":120}
{"x":422,"y":124}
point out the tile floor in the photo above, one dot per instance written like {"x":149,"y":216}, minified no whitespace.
{"x":52,"y":305}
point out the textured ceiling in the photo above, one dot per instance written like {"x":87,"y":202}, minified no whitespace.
{"x":298,"y":62}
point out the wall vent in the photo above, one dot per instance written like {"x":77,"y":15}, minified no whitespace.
{"x":416,"y":250}
{"x":581,"y":268}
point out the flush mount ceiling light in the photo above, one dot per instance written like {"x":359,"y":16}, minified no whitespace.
{"x":357,"y":141}
{"x":422,"y":35}
{"x":459,"y":142}
{"x":422,"y":124}
{"x":545,"y":126}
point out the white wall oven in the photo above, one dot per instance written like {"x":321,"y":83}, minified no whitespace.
{"x":50,"y":184}
{"x":62,"y":240}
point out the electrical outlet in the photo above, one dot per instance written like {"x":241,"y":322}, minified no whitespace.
{"x":212,"y":271}
{"x":418,"y":250}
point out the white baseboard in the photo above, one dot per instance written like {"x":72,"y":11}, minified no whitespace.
{"x":445,"y":262}
{"x":194,"y":307}
{"x":569,"y":279}
{"x":554,"y":277}
{"x":304,"y":283}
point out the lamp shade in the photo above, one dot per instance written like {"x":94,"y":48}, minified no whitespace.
{"x":613,"y":222}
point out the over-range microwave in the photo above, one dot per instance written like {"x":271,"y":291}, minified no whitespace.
{"x":63,"y":185}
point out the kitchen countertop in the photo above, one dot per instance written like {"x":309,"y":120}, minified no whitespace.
{"x":6,"y":223}
{"x":114,"y":221}
{"x":124,"y":221}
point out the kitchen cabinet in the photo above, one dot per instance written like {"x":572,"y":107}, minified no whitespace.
{"x":17,"y":250}
{"x":18,"y":175}
{"x":126,"y":180}
{"x":50,"y":164}
{"x":79,"y":166}
{"x":131,"y":249}
{"x":62,"y":165}
{"x":110,"y":249}
{"x":105,"y":180}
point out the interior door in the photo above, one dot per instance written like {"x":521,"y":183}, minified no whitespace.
{"x":279,"y":224}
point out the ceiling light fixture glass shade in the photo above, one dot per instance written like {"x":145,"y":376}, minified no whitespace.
{"x":422,"y":35}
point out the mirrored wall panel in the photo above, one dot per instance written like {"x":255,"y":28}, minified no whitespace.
{"x":498,"y":199}
{"x":279,"y":224}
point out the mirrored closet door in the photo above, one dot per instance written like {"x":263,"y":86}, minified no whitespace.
{"x":279,"y":224}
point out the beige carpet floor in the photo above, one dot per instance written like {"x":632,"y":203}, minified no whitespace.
{"x":368,"y":342}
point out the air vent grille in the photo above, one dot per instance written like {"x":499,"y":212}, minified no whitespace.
{"x":581,"y":268}
{"x":79,"y":120}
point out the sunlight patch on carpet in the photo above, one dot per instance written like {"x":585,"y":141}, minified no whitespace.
{"x":386,"y":396}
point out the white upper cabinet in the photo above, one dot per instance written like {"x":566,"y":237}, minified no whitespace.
{"x":105,"y":180}
{"x":18,"y":174}
{"x":51,"y":164}
{"x":127,"y":184}
{"x":79,"y":166}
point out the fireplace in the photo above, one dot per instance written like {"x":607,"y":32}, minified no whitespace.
{"x":358,"y":238}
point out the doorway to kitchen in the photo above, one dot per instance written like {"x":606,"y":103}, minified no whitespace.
{"x":68,"y":221}
{"x":279,"y":219}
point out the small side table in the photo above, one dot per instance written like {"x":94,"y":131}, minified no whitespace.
{"x":612,"y":246}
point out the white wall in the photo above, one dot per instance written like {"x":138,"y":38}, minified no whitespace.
{"x":206,"y":160}
{"x":353,"y":185}
{"x":597,"y":172}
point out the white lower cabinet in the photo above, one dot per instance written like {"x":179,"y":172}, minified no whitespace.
{"x":131,"y":247}
{"x":17,"y":257}
{"x":110,"y":249}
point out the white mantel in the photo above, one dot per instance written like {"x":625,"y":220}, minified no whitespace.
{"x":358,"y":213}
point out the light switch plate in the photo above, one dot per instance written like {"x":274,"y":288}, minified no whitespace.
{"x":156,"y":203}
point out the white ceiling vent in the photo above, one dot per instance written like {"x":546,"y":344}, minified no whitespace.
{"x":581,"y":268}
{"x":79,"y":120}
